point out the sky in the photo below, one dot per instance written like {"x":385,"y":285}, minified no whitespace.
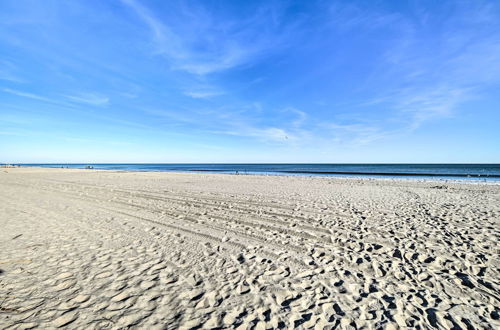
{"x":249,"y":81}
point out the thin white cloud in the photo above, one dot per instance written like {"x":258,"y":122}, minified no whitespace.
{"x":301,"y":116}
{"x":349,"y":16}
{"x":85,"y":140}
{"x":7,"y":76}
{"x":202,"y":94}
{"x":202,"y":44}
{"x":28,"y":95}
{"x":174,"y":117}
{"x":268,"y":134}
{"x":357,"y":133}
{"x":80,"y":98}
{"x":162,"y":35}
{"x":430,"y":77}
{"x":437,"y":102}
{"x":89,"y":98}
{"x":272,"y":134}
{"x":7,"y":70}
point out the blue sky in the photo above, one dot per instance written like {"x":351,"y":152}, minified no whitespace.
{"x":249,"y":81}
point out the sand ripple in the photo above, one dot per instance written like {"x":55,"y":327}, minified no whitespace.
{"x":93,"y":249}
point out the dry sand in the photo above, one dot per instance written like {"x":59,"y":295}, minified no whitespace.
{"x":100,"y":249}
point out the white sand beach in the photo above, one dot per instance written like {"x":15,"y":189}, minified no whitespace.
{"x":88,"y":249}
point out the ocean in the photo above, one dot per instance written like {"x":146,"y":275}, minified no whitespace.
{"x":434,"y":171}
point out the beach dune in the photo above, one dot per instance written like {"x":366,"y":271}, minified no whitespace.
{"x":104,"y":249}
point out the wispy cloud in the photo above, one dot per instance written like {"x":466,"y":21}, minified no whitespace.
{"x":348,"y":16}
{"x":85,"y":140}
{"x":426,"y":104}
{"x":311,"y":77}
{"x":203,"y":94}
{"x":244,"y":120}
{"x":358,"y":133}
{"x":161,"y":33}
{"x":28,"y":95}
{"x":7,"y":70}
{"x":300,"y":116}
{"x":89,"y":98}
{"x":92,"y":99}
{"x":286,"y":128}
{"x":174,"y":117}
{"x":267,"y":134}
{"x":202,"y":44}
{"x":430,"y":77}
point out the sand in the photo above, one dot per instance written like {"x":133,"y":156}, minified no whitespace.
{"x":101,"y":249}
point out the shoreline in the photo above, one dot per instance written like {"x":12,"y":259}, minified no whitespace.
{"x":397,"y":178}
